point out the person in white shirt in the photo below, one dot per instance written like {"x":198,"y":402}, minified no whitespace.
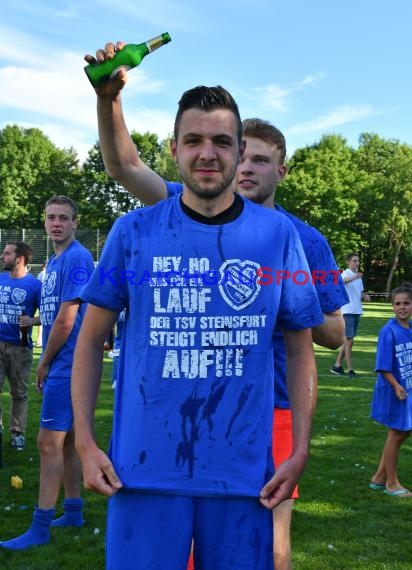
{"x":352,"y":311}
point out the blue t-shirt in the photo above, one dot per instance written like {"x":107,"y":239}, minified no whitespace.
{"x":17,"y":297}
{"x":327,"y":280}
{"x":194,"y":400}
{"x":393,"y":354}
{"x":65,"y":277}
{"x":329,"y":287}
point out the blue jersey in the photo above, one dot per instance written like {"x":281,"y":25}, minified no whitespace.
{"x":194,"y":400}
{"x":64,"y":280}
{"x":329,"y":287}
{"x":394,"y":354}
{"x":19,"y":296}
{"x":327,"y":280}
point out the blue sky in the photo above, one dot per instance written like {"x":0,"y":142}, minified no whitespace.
{"x":311,"y":68}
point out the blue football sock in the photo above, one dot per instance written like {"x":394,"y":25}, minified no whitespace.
{"x":38,"y":533}
{"x":73,"y":514}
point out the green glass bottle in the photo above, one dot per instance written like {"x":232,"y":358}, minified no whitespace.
{"x":128,"y":57}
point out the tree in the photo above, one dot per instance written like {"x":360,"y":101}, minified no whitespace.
{"x":32,"y":170}
{"x":320,"y":188}
{"x":386,"y":202}
{"x":102,"y":199}
{"x":165,"y":165}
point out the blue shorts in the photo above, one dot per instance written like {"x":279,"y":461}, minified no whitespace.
{"x":56,"y":410}
{"x":157,"y":531}
{"x":351,"y":325}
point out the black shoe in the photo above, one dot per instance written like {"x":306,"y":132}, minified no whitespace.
{"x":352,"y":374}
{"x":338,"y":370}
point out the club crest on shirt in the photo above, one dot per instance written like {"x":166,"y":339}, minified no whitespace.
{"x":49,"y":283}
{"x":239,"y":285}
{"x":18,"y":296}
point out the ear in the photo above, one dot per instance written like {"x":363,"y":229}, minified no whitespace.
{"x":282,"y":171}
{"x":242,"y":148}
{"x":173,"y":146}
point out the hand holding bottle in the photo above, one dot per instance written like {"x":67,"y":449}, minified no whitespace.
{"x":114,"y":85}
{"x":117,"y":57}
{"x":24,"y":330}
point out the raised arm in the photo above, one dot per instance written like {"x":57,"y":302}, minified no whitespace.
{"x":120,"y":156}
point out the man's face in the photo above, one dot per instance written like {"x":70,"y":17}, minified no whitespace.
{"x":207,"y":151}
{"x":59,"y":223}
{"x":354,"y":263}
{"x":259,"y":171}
{"x":9,"y":257}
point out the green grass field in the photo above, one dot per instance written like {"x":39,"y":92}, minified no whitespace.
{"x":338,"y":523}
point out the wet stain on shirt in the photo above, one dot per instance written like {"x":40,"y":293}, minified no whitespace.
{"x":240,"y":404}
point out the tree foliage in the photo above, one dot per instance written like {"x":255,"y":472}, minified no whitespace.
{"x":360,"y":199}
{"x":32,"y":170}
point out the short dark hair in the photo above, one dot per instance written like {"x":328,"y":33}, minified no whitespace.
{"x":65,"y":200}
{"x":350,"y":255}
{"x":22,"y":249}
{"x":207,"y":99}
{"x":265,"y":131}
{"x":404,"y":287}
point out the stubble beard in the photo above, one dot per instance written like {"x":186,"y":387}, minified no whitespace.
{"x":10,"y":266}
{"x":207,"y":192}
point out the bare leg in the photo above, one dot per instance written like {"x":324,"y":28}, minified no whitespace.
{"x":282,"y":550}
{"x":348,"y":352}
{"x":51,"y":445}
{"x":341,"y":354}
{"x":72,"y":482}
{"x":387,"y":471}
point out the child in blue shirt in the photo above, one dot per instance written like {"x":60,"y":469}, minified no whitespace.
{"x":392,"y":397}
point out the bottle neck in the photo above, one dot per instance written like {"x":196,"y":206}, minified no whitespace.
{"x":157,"y":42}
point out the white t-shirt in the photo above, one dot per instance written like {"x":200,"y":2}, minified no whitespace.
{"x":354,"y":290}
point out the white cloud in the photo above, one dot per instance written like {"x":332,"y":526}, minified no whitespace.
{"x":276,"y":97}
{"x":48,"y":92}
{"x":312,"y":79}
{"x":152,"y":121}
{"x":54,"y":95}
{"x":337,"y":117}
{"x":19,"y":48}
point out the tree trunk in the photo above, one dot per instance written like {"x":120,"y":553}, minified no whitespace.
{"x":395,"y":262}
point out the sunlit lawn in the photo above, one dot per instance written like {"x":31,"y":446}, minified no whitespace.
{"x":338,"y":523}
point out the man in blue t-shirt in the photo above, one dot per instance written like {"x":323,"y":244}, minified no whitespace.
{"x":19,"y":300}
{"x":260,"y":169}
{"x":61,"y":313}
{"x":190,"y":452}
